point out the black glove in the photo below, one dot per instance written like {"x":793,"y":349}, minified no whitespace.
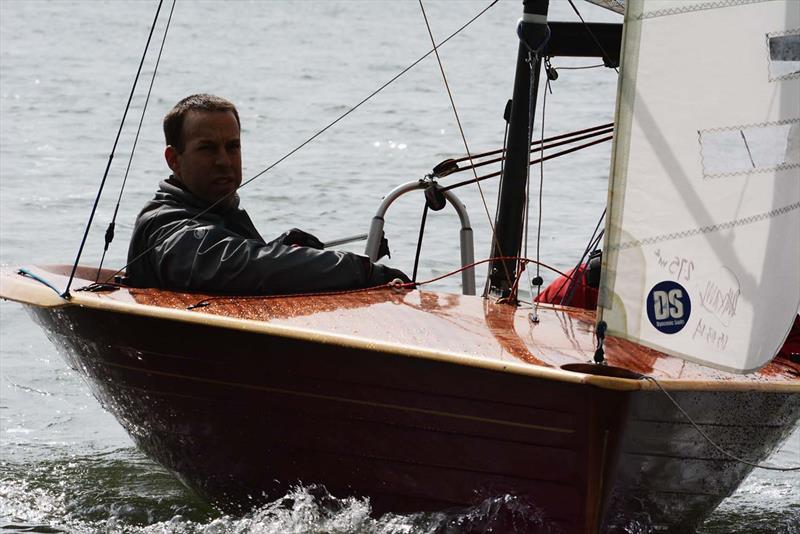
{"x":381,"y":274}
{"x":300,"y":238}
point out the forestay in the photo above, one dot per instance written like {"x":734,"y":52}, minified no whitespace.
{"x":702,"y":252}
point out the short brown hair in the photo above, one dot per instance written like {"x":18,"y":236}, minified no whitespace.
{"x":173,"y":121}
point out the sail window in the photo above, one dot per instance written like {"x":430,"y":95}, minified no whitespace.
{"x":784,"y":55}
{"x":748,"y":149}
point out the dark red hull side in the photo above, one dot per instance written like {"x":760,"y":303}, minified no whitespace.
{"x":241,"y":416}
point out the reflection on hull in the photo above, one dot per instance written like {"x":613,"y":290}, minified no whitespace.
{"x":242,"y":416}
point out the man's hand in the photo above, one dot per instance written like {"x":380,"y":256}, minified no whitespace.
{"x":300,"y":238}
{"x":381,"y":274}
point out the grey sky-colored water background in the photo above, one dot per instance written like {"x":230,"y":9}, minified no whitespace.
{"x":66,"y":69}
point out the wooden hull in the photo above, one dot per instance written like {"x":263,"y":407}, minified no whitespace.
{"x":243,"y":398}
{"x":669,"y":476}
{"x":240,"y":417}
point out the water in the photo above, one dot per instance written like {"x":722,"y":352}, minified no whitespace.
{"x":65,"y":72}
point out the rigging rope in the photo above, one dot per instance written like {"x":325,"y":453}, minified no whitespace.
{"x":523,"y":260}
{"x":537,"y":143}
{"x":463,"y":136}
{"x":65,"y":294}
{"x":304,"y":143}
{"x":609,"y":126}
{"x":607,"y":61}
{"x":533,"y":161}
{"x":419,"y":241}
{"x":591,"y":245}
{"x":533,"y":63}
{"x":391,"y":285}
{"x":109,"y":237}
{"x":606,"y":57}
{"x":525,"y":242}
{"x":708,"y":438}
{"x":507,"y":120}
{"x":580,"y":68}
{"x":541,"y":188}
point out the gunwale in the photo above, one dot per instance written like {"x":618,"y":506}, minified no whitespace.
{"x":512,"y":334}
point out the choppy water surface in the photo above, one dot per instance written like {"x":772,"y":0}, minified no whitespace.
{"x":65,"y":73}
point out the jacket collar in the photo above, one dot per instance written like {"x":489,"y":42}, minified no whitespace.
{"x":173,"y":190}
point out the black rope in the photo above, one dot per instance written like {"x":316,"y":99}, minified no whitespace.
{"x":606,"y":57}
{"x":533,"y":161}
{"x":109,"y":237}
{"x":111,"y":156}
{"x":591,"y":245}
{"x":609,"y":127}
{"x":378,"y":90}
{"x":419,"y":241}
{"x":538,"y":279}
{"x":708,"y":438}
{"x":495,"y":241}
{"x":507,"y":120}
{"x":533,"y":62}
{"x":304,"y":143}
{"x":579,"y":68}
{"x":536,"y":146}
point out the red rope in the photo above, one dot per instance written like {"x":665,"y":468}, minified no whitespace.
{"x":498,"y":258}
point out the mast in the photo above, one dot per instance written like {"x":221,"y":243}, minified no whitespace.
{"x":533,"y":33}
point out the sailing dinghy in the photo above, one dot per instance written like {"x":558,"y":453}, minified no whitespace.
{"x":657,"y":405}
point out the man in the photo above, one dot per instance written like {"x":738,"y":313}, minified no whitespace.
{"x":193,"y":236}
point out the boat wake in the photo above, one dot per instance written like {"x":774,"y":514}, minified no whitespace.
{"x":39,"y":506}
{"x":122,"y":492}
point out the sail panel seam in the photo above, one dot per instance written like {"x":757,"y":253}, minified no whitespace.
{"x":719,"y":4}
{"x":781,"y":167}
{"x":709,"y":228}
{"x":781,"y":122}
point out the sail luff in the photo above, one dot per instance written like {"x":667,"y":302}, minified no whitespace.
{"x":623,"y":117}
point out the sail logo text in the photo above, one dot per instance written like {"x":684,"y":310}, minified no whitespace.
{"x":679,"y":267}
{"x":668,"y":307}
{"x":721,"y":301}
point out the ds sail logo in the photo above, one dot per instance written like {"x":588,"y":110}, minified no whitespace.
{"x":668,"y":307}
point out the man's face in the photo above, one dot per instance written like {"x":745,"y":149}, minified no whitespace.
{"x":210,"y":165}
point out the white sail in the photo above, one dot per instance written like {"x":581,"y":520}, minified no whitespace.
{"x":702,"y":251}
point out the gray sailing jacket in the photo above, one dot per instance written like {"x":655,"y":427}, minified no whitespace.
{"x":222,"y":252}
